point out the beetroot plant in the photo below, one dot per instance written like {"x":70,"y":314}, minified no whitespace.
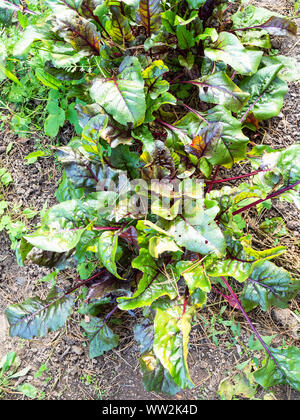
{"x":166,"y":94}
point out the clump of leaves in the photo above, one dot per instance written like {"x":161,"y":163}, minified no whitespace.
{"x":9,"y":370}
{"x":167,"y":93}
{"x":12,"y":216}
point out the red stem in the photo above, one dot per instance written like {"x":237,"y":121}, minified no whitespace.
{"x":249,"y":322}
{"x":219,"y":293}
{"x":274,"y":194}
{"x":91,"y":278}
{"x":165,"y":124}
{"x":219,"y":181}
{"x":82,"y":283}
{"x":185,"y":300}
{"x":213,"y":180}
{"x":194,"y":111}
{"x":106,"y":228}
{"x":176,"y":78}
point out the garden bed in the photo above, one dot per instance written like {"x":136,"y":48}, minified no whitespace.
{"x":60,"y":367}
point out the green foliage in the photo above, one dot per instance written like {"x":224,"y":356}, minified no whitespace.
{"x":13,"y":218}
{"x":9,"y":370}
{"x":36,"y":317}
{"x":138,"y":214}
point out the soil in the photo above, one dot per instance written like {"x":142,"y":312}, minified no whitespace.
{"x":70,"y":374}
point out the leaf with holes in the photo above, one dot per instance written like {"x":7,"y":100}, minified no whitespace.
{"x":220,"y":89}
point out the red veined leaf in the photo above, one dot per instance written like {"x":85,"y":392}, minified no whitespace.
{"x":120,"y":30}
{"x":204,"y":142}
{"x":149,"y":15}
{"x":81,"y":34}
{"x":279,"y":26}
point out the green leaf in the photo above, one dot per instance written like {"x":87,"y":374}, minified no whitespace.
{"x":61,"y":7}
{"x":287,"y":163}
{"x":232,"y":146}
{"x":89,"y":8}
{"x":275,"y":226}
{"x":10,"y":75}
{"x":107,"y":248}
{"x":153,"y":78}
{"x":267,"y":93}
{"x":195,"y":4}
{"x":36,"y":317}
{"x":123,"y":96}
{"x":159,"y":244}
{"x":208,"y":33}
{"x":5,"y":177}
{"x":242,"y":384}
{"x":143,"y":134}
{"x":283,"y":166}
{"x":291,"y":70}
{"x":101,"y":337}
{"x":3,"y":207}
{"x":28,"y":390}
{"x":158,"y":40}
{"x":170,"y":345}
{"x":47,"y":79}
{"x":66,"y":190}
{"x":269,"y":285}
{"x":31,"y":34}
{"x":63,"y":225}
{"x":219,"y":89}
{"x":232,"y":52}
{"x":7,"y":361}
{"x":287,"y":371}
{"x":122,"y":158}
{"x":240,"y":260}
{"x":199,"y":232}
{"x":230,"y":267}
{"x":185,"y":38}
{"x":56,"y":117}
{"x":155,"y":377}
{"x":187,"y":62}
{"x":182,"y":21}
{"x":62,"y":241}
{"x":33,"y":156}
{"x":152,"y":285}
{"x":224,"y":150}
{"x":5,"y":16}
{"x":57,"y":233}
{"x":194,"y":275}
{"x":251,"y":16}
{"x":162,"y":99}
